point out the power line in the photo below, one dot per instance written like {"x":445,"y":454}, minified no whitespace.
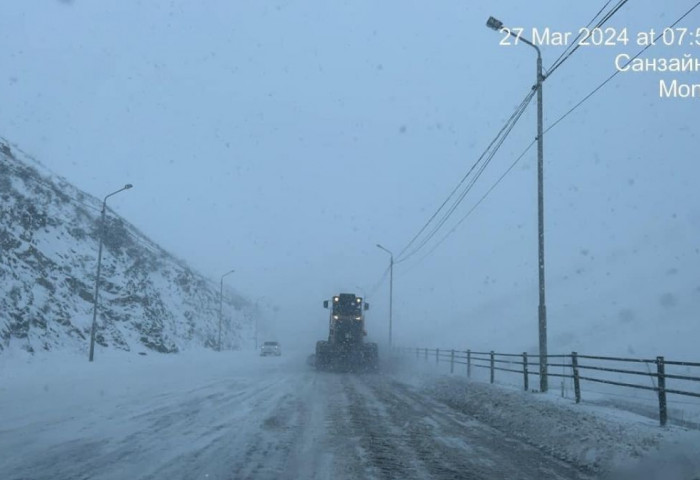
{"x":577,"y":43}
{"x":459,"y":184}
{"x":620,"y":69}
{"x":522,"y":154}
{"x":474,"y":207}
{"x":489,"y":153}
{"x":378,"y":284}
{"x":473,"y":180}
{"x":517,"y":113}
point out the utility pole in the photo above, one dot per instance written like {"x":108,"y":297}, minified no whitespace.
{"x":542,"y":310}
{"x":540,"y":227}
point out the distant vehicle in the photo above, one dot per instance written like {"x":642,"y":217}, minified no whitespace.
{"x":270,"y":348}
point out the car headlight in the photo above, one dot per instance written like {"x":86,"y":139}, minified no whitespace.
{"x":335,"y":317}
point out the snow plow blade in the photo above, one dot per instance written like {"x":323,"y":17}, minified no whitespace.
{"x":342,"y":358}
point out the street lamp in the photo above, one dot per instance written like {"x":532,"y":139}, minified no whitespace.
{"x":257,"y":314}
{"x":498,"y":25}
{"x":99,"y":267}
{"x":221,"y":304}
{"x":391,"y":286}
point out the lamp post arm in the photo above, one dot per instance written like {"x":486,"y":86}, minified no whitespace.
{"x":540,"y":76}
{"x":525,"y":40}
{"x":125,"y":187}
{"x":386,"y":250}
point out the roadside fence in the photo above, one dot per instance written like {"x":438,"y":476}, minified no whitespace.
{"x":664,"y":378}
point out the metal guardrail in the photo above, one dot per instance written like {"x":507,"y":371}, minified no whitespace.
{"x":519,"y":363}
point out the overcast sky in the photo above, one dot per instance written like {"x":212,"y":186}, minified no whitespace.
{"x":285,"y":139}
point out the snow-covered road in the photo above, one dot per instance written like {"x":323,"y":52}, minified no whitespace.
{"x":238,"y":416}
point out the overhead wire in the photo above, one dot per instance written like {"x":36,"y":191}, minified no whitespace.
{"x":618,"y":70}
{"x":489,"y":154}
{"x":474,"y":207}
{"x":459,"y":184}
{"x":473,"y":180}
{"x":563,"y":57}
{"x":378,"y":284}
{"x":522,"y":154}
{"x":576,"y":43}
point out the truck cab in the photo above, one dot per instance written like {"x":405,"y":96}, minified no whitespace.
{"x":347,"y":318}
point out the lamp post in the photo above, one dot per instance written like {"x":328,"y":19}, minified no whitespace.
{"x":257,"y":314}
{"x":498,"y":25}
{"x":99,"y":268}
{"x":391,"y":286}
{"x":221,"y":304}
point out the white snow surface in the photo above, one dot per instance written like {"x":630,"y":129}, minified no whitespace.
{"x":613,"y":442}
{"x":203,"y":414}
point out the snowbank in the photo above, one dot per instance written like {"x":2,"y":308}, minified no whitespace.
{"x":600,"y":440}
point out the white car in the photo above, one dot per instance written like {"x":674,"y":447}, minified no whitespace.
{"x":270,"y":348}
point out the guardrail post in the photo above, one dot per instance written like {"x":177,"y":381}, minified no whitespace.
{"x":492,"y":365}
{"x":437,"y":355}
{"x":469,"y":363}
{"x":663,"y":413}
{"x":452,"y":361}
{"x":577,"y":383}
{"x":426,"y":354}
{"x":525,"y":376}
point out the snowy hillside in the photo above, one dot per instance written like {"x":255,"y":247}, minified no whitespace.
{"x":48,"y":257}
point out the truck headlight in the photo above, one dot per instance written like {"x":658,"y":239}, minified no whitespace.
{"x":335,"y":317}
{"x":358,"y":318}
